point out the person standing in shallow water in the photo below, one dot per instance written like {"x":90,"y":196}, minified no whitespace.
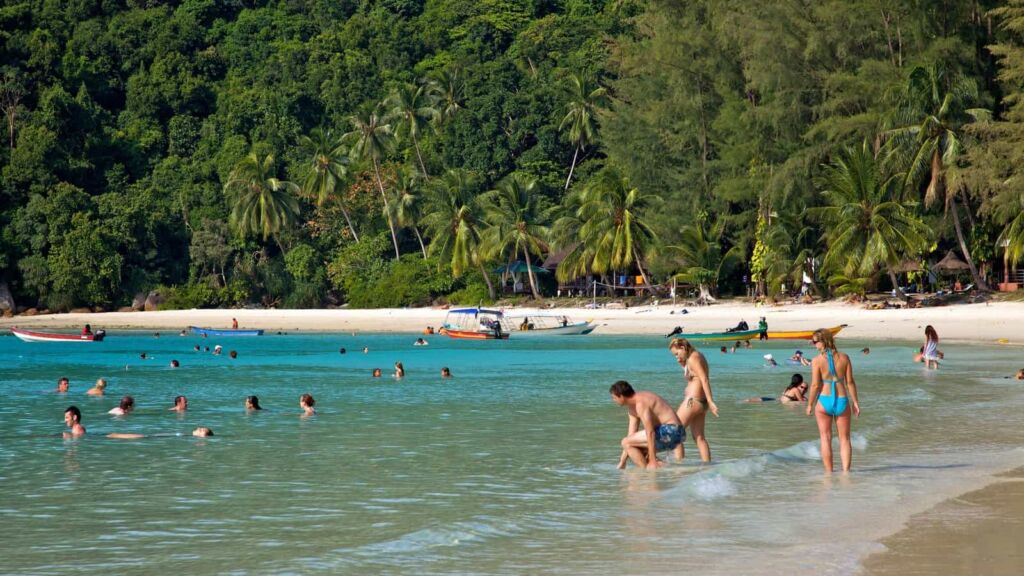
{"x":833,"y":397}
{"x":697,"y":397}
{"x":653,"y":426}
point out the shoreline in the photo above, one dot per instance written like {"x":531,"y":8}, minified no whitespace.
{"x":975,"y":533}
{"x":985,"y":323}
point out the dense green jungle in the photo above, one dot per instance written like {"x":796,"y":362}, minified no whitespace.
{"x":382,"y":153}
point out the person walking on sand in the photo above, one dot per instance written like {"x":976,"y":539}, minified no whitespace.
{"x":662,"y":429}
{"x":833,"y":368}
{"x":931,"y":347}
{"x":697,"y":397}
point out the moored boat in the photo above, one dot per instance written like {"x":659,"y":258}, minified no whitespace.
{"x":719,"y":336}
{"x":474,"y":324}
{"x":224,"y":332}
{"x":545,"y":325}
{"x":800,"y":334}
{"x":30,"y":336}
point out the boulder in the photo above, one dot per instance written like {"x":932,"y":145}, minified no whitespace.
{"x":6,"y":300}
{"x":30,"y":312}
{"x":153,"y":301}
{"x":139,"y":302}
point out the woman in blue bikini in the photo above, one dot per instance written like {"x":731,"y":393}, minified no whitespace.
{"x":832,"y":377}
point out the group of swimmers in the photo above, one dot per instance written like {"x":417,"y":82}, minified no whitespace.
{"x":653,"y":426}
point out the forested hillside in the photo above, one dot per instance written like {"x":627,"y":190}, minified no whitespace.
{"x":390,"y":152}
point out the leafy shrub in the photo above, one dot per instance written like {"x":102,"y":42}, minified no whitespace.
{"x":200,"y":295}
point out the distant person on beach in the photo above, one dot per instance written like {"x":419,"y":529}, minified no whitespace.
{"x":73,"y":420}
{"x":127,"y":405}
{"x":833,"y":368}
{"x":762,"y":327}
{"x":252,"y":403}
{"x":376,"y":372}
{"x":62,"y":385}
{"x":697,"y":397}
{"x":180,"y":404}
{"x":399,"y":370}
{"x":795,"y":392}
{"x":662,"y":429}
{"x":234,"y":324}
{"x":99,"y":389}
{"x":306,"y":402}
{"x":446,"y":373}
{"x":931,"y":348}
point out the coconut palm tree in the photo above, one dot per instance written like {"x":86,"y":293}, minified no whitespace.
{"x":613,"y":225}
{"x":518,"y":216}
{"x":454,"y":218}
{"x":371,"y":139}
{"x":449,"y":87}
{"x":412,"y":108}
{"x":703,"y":260}
{"x":407,"y":201}
{"x":260,"y":203}
{"x":328,"y":159}
{"x":865,"y":218}
{"x":581,"y":118}
{"x":929,"y":134}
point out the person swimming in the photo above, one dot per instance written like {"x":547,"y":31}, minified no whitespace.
{"x":446,"y":373}
{"x":420,"y":342}
{"x":769,"y":361}
{"x":180,"y":404}
{"x":99,"y":389}
{"x":795,"y":392}
{"x":126,"y":405}
{"x":306,"y":402}
{"x":399,"y":370}
{"x":199,"y":432}
{"x":73,"y":420}
{"x":252,"y":403}
{"x":376,"y":372}
{"x":1020,"y":374}
{"x":798,"y":358}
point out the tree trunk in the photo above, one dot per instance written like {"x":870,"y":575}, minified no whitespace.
{"x":640,"y":266}
{"x":487,"y":279}
{"x":416,"y":145}
{"x":895,"y":283}
{"x":420,"y":238}
{"x":572,"y":167}
{"x":978,"y":281}
{"x":529,"y":272}
{"x":387,"y":208}
{"x":349,"y":222}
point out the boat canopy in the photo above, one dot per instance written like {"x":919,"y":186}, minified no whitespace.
{"x":475,"y":311}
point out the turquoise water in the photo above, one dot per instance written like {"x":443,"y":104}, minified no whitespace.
{"x":507,"y":468}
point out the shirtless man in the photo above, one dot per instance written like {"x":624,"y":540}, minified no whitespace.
{"x":62,"y":385}
{"x":697,"y":398}
{"x":662,"y":429}
{"x":180,"y":404}
{"x":73,"y":419}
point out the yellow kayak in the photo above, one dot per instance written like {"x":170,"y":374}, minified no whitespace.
{"x":800,"y":334}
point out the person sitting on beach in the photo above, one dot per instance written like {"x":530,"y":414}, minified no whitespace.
{"x":399,"y":370}
{"x":127,"y":405}
{"x":741,"y":327}
{"x":662,"y":429}
{"x":420,"y":342}
{"x":200,"y":432}
{"x":63,"y":384}
{"x":376,"y":372}
{"x":769,"y":361}
{"x":306,"y":402}
{"x":73,"y":420}
{"x":798,"y":358}
{"x":180,"y":404}
{"x":795,"y":392}
{"x":99,"y":389}
{"x":87,"y":330}
{"x":446,"y":373}
{"x":252,"y":403}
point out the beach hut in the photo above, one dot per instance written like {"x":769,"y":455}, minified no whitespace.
{"x":516,"y":270}
{"x":951,"y":263}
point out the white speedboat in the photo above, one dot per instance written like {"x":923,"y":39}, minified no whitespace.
{"x":529,"y":325}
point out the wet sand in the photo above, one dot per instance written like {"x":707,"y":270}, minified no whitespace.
{"x":980,"y":533}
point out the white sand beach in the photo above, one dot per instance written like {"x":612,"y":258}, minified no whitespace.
{"x":981,"y":323}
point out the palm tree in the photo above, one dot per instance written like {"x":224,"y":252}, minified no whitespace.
{"x":866,"y":219}
{"x":454,"y":219}
{"x":407,"y":202}
{"x":930,"y":120}
{"x":449,"y":88}
{"x":412,"y":108}
{"x":518,"y":215}
{"x":581,"y":118}
{"x":372,"y":138}
{"x":613,"y":228}
{"x":327,"y":163}
{"x":261,"y":204}
{"x":700,"y":253}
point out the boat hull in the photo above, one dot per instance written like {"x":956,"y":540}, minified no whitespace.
{"x":577,"y":329}
{"x":225,"y":332}
{"x":720,"y":336}
{"x":29,"y":336}
{"x":800,"y":334}
{"x":473,"y":335}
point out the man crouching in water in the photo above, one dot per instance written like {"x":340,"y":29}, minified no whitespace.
{"x":662,"y":428}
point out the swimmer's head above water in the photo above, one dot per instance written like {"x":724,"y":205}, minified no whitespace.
{"x":202,"y":432}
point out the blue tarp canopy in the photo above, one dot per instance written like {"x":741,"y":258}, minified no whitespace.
{"x":519,"y":267}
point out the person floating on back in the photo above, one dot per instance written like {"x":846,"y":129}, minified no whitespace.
{"x":661,"y":431}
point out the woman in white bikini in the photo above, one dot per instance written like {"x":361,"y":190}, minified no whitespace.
{"x":697,"y":398}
